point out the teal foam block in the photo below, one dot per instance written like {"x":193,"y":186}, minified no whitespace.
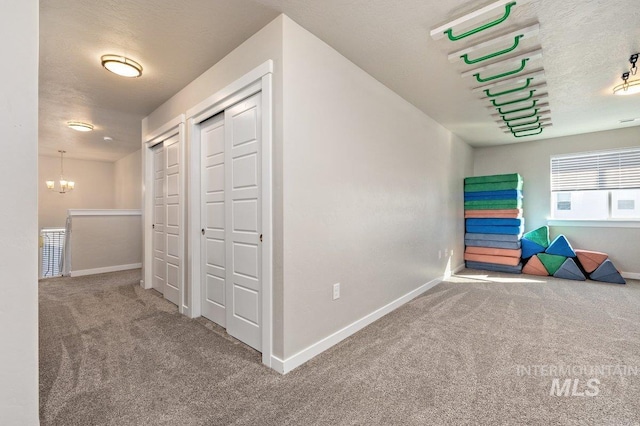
{"x":607,"y":273}
{"x":539,"y":236}
{"x":529,"y":248}
{"x":570,"y":271}
{"x":561,"y":247}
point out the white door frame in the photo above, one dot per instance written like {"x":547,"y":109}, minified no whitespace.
{"x":257,"y":80}
{"x":174,"y":127}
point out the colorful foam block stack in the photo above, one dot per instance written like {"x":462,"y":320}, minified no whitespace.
{"x":558,"y":258}
{"x":494,"y":223}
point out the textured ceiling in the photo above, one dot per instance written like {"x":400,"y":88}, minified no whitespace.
{"x":586,"y":45}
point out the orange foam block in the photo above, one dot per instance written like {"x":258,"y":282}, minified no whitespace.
{"x":590,"y":260}
{"x":494,"y":251}
{"x":535,"y":267}
{"x":498,"y":260}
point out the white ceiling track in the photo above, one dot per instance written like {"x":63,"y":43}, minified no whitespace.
{"x":522,"y":121}
{"x":534,"y":101}
{"x":519,"y":79}
{"x":533,"y":123}
{"x":500,"y":8}
{"x":512,"y":37}
{"x":523,"y":131}
{"x":544,"y":110}
{"x":529,"y":56}
{"x":511,"y":95}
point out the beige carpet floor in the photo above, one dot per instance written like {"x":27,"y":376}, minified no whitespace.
{"x":114,"y":354}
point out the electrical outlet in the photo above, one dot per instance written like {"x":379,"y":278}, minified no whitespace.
{"x":336,"y":291}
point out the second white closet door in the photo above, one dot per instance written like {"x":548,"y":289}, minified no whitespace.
{"x":231,"y":216}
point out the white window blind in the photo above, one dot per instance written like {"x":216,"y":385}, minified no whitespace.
{"x":604,"y":170}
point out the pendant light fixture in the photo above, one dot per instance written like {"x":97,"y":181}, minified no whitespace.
{"x":629,"y":87}
{"x":122,"y":66}
{"x":64,"y":185}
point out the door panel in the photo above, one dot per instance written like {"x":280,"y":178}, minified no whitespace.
{"x":213,"y":218}
{"x":243,"y":252}
{"x":159,"y":269}
{"x":172,"y":220}
{"x":166,"y":219}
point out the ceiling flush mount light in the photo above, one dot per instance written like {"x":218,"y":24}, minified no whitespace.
{"x":64,"y":185}
{"x":629,"y":87}
{"x":80,"y":126}
{"x":122,"y":66}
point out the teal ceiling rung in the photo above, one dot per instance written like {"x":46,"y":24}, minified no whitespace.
{"x":504,"y":117}
{"x":533,"y":105}
{"x":468,"y":61}
{"x":529,"y":134}
{"x":507,"y":12}
{"x":536,"y":121}
{"x":506,"y":92}
{"x":504,"y":74}
{"x":514,"y":101}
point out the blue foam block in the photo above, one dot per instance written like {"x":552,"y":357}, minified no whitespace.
{"x":491,"y":237}
{"x":607,"y":273}
{"x":561,"y":247}
{"x":529,"y":248}
{"x":492,"y":244}
{"x":495,"y":222}
{"x":570,"y":271}
{"x":494,"y":267}
{"x":506,"y":194}
{"x":510,"y":230}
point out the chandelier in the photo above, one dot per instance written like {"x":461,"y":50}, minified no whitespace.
{"x":64,"y":185}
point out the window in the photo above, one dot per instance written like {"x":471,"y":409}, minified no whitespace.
{"x":596,"y":185}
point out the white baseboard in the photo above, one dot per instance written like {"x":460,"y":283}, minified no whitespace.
{"x":458,"y":268}
{"x":285,"y":366}
{"x":631,"y":275}
{"x":94,"y":271}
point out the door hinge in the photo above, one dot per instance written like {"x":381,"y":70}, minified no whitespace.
{"x":260,"y":237}
{"x":153,"y":226}
{"x":202,"y":231}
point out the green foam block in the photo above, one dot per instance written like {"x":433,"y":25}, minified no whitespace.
{"x":539,"y":236}
{"x":551,"y":262}
{"x":493,"y":204}
{"x":492,"y":186}
{"x":511,"y":177}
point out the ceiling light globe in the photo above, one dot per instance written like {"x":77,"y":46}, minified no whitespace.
{"x":80,"y":126}
{"x":122,"y":66}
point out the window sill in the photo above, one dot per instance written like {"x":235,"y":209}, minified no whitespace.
{"x":611,"y":223}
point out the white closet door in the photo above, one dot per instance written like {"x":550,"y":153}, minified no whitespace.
{"x":172,"y":220}
{"x":243,"y":225}
{"x":159,"y":261}
{"x":213,"y":220}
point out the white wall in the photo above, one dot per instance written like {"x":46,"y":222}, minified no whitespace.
{"x":94,"y":188}
{"x":99,"y":242}
{"x":532,"y":161}
{"x":128,"y":182}
{"x":372,"y":190}
{"x":18,"y":214}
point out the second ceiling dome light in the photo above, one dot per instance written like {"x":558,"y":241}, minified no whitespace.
{"x":122,"y":66}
